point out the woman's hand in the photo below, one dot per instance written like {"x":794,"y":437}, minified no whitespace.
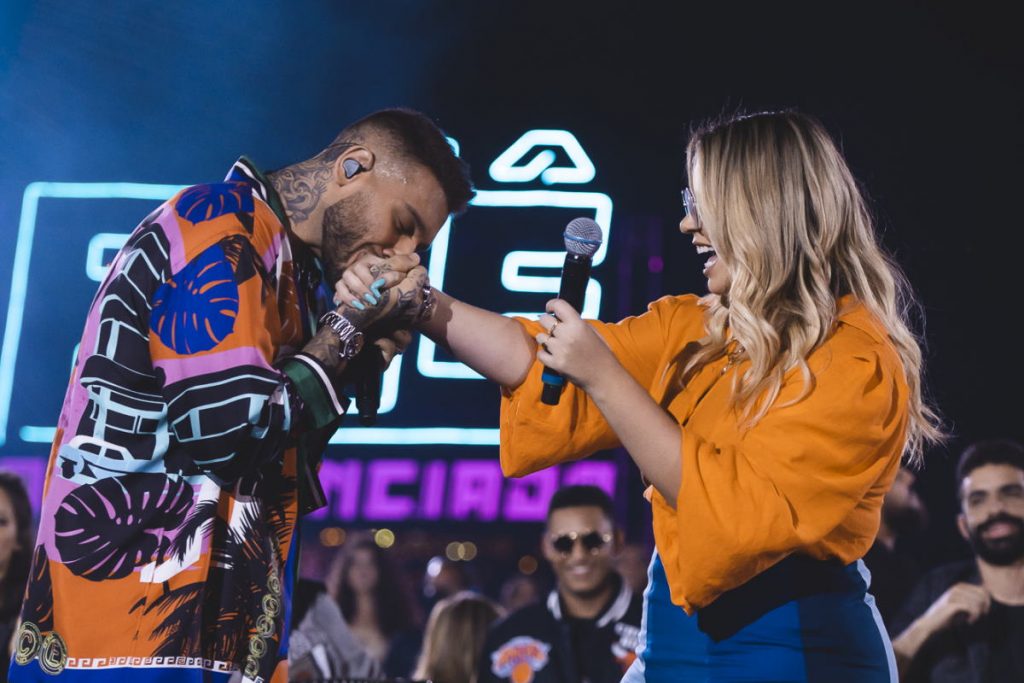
{"x":362,"y":282}
{"x":573,"y":348}
{"x":382,"y":292}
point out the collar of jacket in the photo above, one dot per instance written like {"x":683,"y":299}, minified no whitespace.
{"x":851,"y":311}
{"x":245,"y":171}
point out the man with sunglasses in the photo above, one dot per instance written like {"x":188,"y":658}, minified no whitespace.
{"x":588,"y":628}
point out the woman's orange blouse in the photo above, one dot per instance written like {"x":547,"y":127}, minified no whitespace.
{"x":808,"y":478}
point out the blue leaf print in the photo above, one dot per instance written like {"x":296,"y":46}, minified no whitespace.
{"x":206,"y":202}
{"x":196,"y":309}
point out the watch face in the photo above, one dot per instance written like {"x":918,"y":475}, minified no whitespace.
{"x":353,"y":346}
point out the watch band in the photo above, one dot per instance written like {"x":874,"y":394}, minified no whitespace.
{"x":351,"y":338}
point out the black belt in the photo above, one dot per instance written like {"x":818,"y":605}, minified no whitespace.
{"x":793,"y":578}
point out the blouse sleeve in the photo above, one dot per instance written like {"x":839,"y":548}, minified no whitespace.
{"x":535,"y":435}
{"x":788,"y":481}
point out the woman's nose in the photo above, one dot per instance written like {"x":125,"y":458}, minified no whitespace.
{"x":688,"y":225}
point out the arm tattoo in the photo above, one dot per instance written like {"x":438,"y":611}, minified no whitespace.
{"x":326,"y":348}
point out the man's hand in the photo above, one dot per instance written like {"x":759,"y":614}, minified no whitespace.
{"x":381,"y":292}
{"x":361,"y":284}
{"x":381,"y":298}
{"x":394,"y":344}
{"x":963,"y":598}
{"x":962,"y":601}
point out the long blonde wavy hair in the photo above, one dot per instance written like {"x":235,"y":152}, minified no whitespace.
{"x":454,"y":638}
{"x":789,"y":221}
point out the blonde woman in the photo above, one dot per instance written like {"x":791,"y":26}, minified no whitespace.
{"x":455,"y":637}
{"x":770,"y":416}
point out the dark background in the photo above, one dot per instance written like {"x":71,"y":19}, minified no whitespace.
{"x":925,"y":99}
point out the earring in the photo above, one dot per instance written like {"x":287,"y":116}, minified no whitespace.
{"x":351,"y":167}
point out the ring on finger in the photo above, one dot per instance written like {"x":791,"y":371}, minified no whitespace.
{"x":551,"y":332}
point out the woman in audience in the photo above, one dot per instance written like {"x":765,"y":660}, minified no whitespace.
{"x":376,"y":605}
{"x":455,"y":637}
{"x":15,"y":558}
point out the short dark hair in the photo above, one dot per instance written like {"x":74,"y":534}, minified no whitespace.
{"x":989,"y":452}
{"x":582,"y":496}
{"x":414,"y":137}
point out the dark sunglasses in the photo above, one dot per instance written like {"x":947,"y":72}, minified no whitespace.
{"x":690,"y":206}
{"x":592,"y":541}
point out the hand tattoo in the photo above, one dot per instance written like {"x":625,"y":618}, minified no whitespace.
{"x":378,"y":269}
{"x":410,"y":301}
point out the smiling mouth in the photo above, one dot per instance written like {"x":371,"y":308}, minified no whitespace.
{"x":1000,"y":530}
{"x":712,"y":260}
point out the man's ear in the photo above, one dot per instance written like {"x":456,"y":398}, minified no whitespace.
{"x":352,"y":163}
{"x":618,"y":541}
{"x":547,"y":551}
{"x":961,"y":524}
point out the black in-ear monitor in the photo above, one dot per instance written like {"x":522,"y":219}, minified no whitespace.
{"x":351,"y":167}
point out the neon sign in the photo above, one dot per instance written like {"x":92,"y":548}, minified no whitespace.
{"x":521,"y":271}
{"x":393,"y":490}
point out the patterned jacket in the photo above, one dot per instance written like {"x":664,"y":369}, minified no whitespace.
{"x":165,"y":546}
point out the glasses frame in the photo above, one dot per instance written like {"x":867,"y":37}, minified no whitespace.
{"x":574,"y":536}
{"x":690,"y":206}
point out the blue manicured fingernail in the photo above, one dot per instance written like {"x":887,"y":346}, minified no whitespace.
{"x":358,"y":304}
{"x":378,"y":284}
{"x":371,"y":298}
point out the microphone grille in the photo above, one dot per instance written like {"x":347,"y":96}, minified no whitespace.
{"x":583,"y":237}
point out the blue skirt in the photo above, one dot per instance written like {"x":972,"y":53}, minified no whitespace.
{"x":802,"y":620}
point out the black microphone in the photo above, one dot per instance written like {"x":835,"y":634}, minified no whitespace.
{"x":582,"y":240}
{"x":367,"y":369}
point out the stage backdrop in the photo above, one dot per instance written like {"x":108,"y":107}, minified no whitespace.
{"x":562,"y":109}
{"x":432,"y":455}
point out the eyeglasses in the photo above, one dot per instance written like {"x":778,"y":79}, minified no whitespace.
{"x":592,"y":541}
{"x":690,"y":206}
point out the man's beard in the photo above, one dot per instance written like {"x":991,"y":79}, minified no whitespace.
{"x":344,"y":227}
{"x":1000,"y":551}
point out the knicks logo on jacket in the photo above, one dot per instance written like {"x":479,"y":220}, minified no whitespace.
{"x":519,"y":659}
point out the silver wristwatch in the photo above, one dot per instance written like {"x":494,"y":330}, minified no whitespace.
{"x":351,"y":338}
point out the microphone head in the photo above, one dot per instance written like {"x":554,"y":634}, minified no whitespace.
{"x":583,"y":237}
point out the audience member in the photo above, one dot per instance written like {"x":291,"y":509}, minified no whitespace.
{"x":15,"y":559}
{"x":895,"y":568}
{"x":445,"y":578}
{"x":454,"y":638}
{"x":321,"y":645}
{"x":518,"y":591}
{"x":376,"y":605}
{"x":965,"y":621}
{"x":589,"y":626}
